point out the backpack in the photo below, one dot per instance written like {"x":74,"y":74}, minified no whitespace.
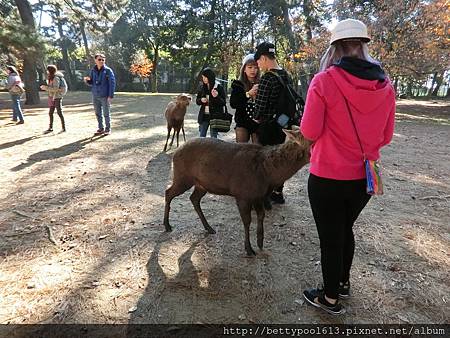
{"x":290,"y":104}
{"x":62,"y":85}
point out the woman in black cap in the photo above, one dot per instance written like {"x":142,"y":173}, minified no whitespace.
{"x":211,"y":99}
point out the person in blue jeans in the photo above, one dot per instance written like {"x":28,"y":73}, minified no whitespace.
{"x":16,"y":89}
{"x":103,"y":84}
{"x":211,"y":98}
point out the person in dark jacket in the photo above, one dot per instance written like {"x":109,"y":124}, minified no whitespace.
{"x":243,"y":94}
{"x":103,"y":84}
{"x":211,"y":98}
{"x":266,"y":103}
{"x":349,"y":115}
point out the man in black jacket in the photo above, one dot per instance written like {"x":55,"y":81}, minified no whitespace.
{"x":266,"y":103}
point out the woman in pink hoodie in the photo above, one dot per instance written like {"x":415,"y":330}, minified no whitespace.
{"x":348,"y":78}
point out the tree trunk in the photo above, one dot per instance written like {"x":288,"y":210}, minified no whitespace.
{"x":432,"y":84}
{"x":409,"y":92}
{"x":396,"y":84}
{"x":252,"y":29}
{"x":193,"y":79}
{"x":225,"y":71}
{"x":155,"y":70}
{"x":86,"y":46}
{"x":439,"y":80}
{"x":288,"y":28}
{"x":65,"y":53}
{"x":304,"y":85}
{"x":307,"y":25}
{"x":29,"y":59}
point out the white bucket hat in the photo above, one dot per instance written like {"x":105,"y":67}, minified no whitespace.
{"x":247,"y":58}
{"x":349,"y":29}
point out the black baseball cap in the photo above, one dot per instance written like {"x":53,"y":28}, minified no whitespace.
{"x":265,"y":48}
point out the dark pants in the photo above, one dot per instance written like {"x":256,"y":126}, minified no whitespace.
{"x":336,"y":205}
{"x":56,"y":103}
{"x":269,"y":134}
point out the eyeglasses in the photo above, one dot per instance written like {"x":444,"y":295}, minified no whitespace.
{"x":100,"y":59}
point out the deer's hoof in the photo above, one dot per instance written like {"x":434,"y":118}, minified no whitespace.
{"x":211,"y":231}
{"x":250,"y":252}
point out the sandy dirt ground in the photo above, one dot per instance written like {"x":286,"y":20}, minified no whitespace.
{"x":82,"y":239}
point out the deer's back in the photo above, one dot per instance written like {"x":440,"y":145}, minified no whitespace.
{"x":220,"y":167}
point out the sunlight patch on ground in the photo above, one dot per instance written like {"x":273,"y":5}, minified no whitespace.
{"x":429,"y":247}
{"x":38,"y":285}
{"x":422,"y":118}
{"x":49,"y":275}
{"x":157,"y":130}
{"x":400,"y":135}
{"x":143,"y":94}
{"x":419,"y":178}
{"x":168,"y":261}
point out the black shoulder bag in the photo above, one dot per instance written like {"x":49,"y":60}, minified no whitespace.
{"x":221,"y":120}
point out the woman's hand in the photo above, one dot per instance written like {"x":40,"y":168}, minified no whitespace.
{"x":252,"y":92}
{"x":204,"y":100}
{"x":43,"y":87}
{"x":214,"y":92}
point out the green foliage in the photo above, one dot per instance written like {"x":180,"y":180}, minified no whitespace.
{"x":53,"y":53}
{"x":78,"y":53}
{"x":15,"y":38}
{"x":409,"y":37}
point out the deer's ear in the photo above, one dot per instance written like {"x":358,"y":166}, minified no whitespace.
{"x":289,"y":133}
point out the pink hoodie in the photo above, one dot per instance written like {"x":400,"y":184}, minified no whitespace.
{"x":336,"y":153}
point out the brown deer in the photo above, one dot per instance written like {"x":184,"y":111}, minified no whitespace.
{"x":249,"y":172}
{"x":175,"y":112}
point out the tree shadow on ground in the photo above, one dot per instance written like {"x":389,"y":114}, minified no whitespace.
{"x":55,"y":153}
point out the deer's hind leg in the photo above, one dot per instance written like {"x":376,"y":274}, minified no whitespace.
{"x":196,"y":196}
{"x":176,"y":189}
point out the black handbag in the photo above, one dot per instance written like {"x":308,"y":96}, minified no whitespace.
{"x":221,"y":121}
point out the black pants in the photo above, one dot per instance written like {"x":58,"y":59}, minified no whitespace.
{"x":336,"y":205}
{"x":56,"y":104}
{"x":269,"y":134}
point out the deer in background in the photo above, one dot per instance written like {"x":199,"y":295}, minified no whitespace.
{"x":175,"y":112}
